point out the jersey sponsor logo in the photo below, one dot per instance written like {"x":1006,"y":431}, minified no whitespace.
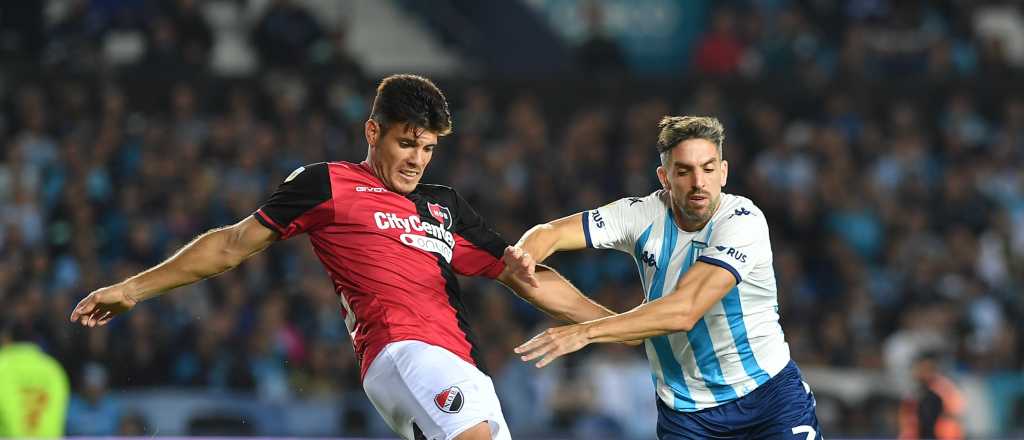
{"x":437,"y":239}
{"x":732,"y":252}
{"x":635,"y":200}
{"x":370,"y":189}
{"x":450,"y":400}
{"x":598,"y":221}
{"x":441,"y":214}
{"x":740,"y":211}
{"x":428,"y":244}
{"x":648,"y":259}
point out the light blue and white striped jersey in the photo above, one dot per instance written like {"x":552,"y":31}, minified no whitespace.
{"x":738,"y":344}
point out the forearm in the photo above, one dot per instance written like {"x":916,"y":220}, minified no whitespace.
{"x":557,"y":297}
{"x":701,"y":288}
{"x":540,"y":241}
{"x":656,"y":318}
{"x":208,"y":255}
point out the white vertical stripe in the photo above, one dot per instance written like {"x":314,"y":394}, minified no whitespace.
{"x":660,"y":387}
{"x":726,"y":351}
{"x":694,"y":380}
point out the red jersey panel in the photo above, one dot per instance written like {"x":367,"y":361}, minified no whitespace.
{"x":392,"y":257}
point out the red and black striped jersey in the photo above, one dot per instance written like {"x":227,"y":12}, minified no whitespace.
{"x":392,"y":257}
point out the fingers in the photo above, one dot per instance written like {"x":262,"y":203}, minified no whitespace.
{"x":534,"y":342}
{"x":536,"y":351}
{"x":522,"y":264}
{"x":529,"y":279}
{"x":548,"y":350}
{"x":84,"y":308}
{"x":544,"y":344}
{"x":549,"y":358}
{"x":105,"y":319}
{"x":531,"y":267}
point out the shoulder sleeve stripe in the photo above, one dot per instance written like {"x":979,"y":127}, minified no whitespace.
{"x":267,"y":221}
{"x":297,"y":205}
{"x":586,"y":228}
{"x":723,"y":265}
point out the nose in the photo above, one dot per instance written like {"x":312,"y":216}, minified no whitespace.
{"x":700,"y":180}
{"x":417,"y":157}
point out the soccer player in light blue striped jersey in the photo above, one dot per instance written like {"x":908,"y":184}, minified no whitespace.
{"x":709,"y":321}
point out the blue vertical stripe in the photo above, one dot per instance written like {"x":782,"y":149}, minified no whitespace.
{"x":734,"y":313}
{"x":670,"y":368}
{"x":704,"y":351}
{"x":638,"y":251}
{"x":586,"y":228}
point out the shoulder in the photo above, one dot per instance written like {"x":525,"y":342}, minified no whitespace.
{"x":442,"y":194}
{"x":739,"y":214}
{"x":653,"y":203}
{"x":431,"y":189}
{"x":738,"y":207}
{"x":308,"y":173}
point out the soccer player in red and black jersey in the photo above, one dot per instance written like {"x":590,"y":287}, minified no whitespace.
{"x":392,"y":248}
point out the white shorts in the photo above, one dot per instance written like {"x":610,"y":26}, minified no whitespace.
{"x":412,"y":382}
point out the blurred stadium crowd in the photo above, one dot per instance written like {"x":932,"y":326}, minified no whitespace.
{"x":886,"y":148}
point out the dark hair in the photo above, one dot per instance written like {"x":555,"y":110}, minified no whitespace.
{"x":414,"y":100}
{"x":675,"y":129}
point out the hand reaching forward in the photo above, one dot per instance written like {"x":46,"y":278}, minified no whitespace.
{"x":522,"y":264}
{"x":102,"y":305}
{"x":553,"y":343}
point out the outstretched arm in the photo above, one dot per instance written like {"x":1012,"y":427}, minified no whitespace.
{"x":537,"y":244}
{"x":696,"y":292}
{"x":209,"y":254}
{"x":554,"y":295}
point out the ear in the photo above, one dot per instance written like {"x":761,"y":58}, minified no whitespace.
{"x":725,"y":172}
{"x":663,"y":176}
{"x":372,"y":131}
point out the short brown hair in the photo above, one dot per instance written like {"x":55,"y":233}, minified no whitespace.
{"x":414,"y":100}
{"x":675,"y":129}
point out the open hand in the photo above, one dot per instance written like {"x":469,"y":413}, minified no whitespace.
{"x":102,"y":305}
{"x":522,"y":265}
{"x":553,"y":343}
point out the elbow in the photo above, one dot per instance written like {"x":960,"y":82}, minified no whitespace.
{"x":684,"y":325}
{"x":683,"y":320}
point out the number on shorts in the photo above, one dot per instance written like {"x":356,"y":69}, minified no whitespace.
{"x":805,"y":429}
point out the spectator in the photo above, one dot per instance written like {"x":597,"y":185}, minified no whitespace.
{"x":935,"y":408}
{"x":93,"y":411}
{"x":285,"y":34}
{"x":718,"y":52}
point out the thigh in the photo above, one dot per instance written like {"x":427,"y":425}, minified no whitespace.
{"x":792,"y":416}
{"x":443,"y":395}
{"x":675,"y":425}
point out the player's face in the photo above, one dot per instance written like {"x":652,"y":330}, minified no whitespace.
{"x":694,"y":175}
{"x":400,"y":155}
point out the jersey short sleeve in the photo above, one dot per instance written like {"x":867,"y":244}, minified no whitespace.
{"x":738,"y":242}
{"x":302,"y":203}
{"x":619,"y":224}
{"x":478,"y":248}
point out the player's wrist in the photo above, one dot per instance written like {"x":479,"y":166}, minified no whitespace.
{"x":590,"y":331}
{"x":130,"y":291}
